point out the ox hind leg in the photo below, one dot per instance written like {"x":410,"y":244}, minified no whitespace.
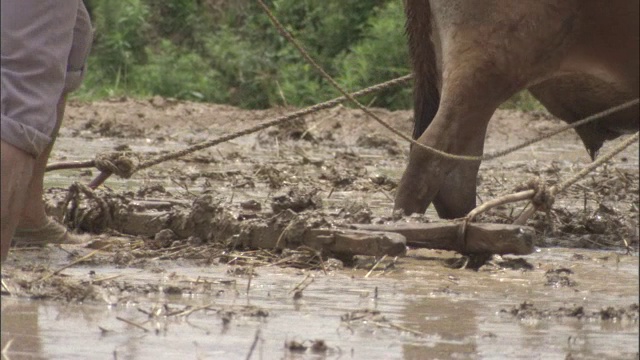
{"x":487,"y":51}
{"x":475,"y":81}
{"x":459,"y":127}
{"x":457,"y":194}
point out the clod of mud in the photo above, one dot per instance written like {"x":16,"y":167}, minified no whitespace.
{"x":559,"y":278}
{"x":317,"y":346}
{"x":297,"y":200}
{"x":527,"y":310}
{"x":363,"y":315}
{"x":471,"y":262}
{"x":274,"y":177}
{"x":357,"y":212}
{"x":379,"y":141}
{"x":369,"y":317}
{"x":514,"y":264}
{"x":296,"y":129}
{"x":42,"y":284}
{"x":242,"y":271}
{"x":162,"y":239}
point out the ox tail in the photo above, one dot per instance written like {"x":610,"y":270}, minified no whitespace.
{"x":426,"y":94}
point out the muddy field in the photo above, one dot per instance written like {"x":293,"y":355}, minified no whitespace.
{"x":176,"y":263}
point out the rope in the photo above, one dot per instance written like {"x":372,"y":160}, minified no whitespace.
{"x":542,"y":197}
{"x":539,"y":195}
{"x":430,"y":149}
{"x":278,"y":120}
{"x":119,"y":164}
{"x":344,"y":93}
{"x":123,"y":166}
{"x":586,"y":120}
{"x":601,"y":160}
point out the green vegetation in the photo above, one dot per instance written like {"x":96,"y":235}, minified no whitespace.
{"x":523,"y":101}
{"x":228,"y":51}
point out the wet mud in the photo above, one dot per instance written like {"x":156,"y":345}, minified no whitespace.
{"x":207,"y":257}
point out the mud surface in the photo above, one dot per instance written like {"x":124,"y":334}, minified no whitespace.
{"x":190,"y":284}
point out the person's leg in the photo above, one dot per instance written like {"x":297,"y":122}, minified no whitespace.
{"x":16,"y":168}
{"x":33,"y":214}
{"x":37,"y":38}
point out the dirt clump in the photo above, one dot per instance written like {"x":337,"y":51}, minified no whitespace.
{"x":527,"y":310}
{"x":559,"y":278}
{"x":296,"y":200}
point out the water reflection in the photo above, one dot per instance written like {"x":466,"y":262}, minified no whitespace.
{"x":451,"y":326}
{"x":20,"y":331}
{"x":436,"y":313}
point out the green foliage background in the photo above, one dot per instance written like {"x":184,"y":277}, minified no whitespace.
{"x":228,"y":51}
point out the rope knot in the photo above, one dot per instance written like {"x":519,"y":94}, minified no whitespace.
{"x":119,"y":163}
{"x":543,"y":197}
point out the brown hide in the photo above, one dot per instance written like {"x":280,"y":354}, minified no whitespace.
{"x":577,"y":57}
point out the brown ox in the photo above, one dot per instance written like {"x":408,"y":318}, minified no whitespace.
{"x":577,"y":57}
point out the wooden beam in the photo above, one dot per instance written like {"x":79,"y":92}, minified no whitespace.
{"x":345,"y":242}
{"x":481,"y":238}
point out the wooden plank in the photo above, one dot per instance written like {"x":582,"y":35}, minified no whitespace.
{"x":346,"y":242}
{"x":480,"y":237}
{"x":258,"y":235}
{"x":356,"y":242}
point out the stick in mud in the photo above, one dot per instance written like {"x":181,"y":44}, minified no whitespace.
{"x":298,"y":289}
{"x":75,"y":262}
{"x":375,"y":266}
{"x":132,"y":323}
{"x":253,"y":345}
{"x":249,"y":282}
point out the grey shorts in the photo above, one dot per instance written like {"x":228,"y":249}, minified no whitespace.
{"x":45,"y":45}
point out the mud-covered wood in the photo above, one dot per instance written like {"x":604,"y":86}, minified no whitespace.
{"x":480,"y":238}
{"x":262,"y":236}
{"x":336,"y":241}
{"x":204,"y":220}
{"x":357,"y":242}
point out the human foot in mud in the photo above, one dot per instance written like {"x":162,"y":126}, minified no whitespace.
{"x":52,"y":232}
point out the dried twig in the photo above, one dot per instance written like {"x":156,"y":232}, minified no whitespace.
{"x":111,"y":277}
{"x":253,"y":345}
{"x":398,"y":327}
{"x":6,"y":347}
{"x":133,"y":324}
{"x":77,"y":261}
{"x":375,"y":265}
{"x":249,"y":282}
{"x":5,"y":288}
{"x":186,"y":313}
{"x":302,"y":285}
{"x":519,"y":196}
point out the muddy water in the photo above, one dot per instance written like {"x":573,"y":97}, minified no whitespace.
{"x":425,"y":311}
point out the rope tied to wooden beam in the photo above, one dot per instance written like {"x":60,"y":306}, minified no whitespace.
{"x":543,"y":197}
{"x":119,"y":163}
